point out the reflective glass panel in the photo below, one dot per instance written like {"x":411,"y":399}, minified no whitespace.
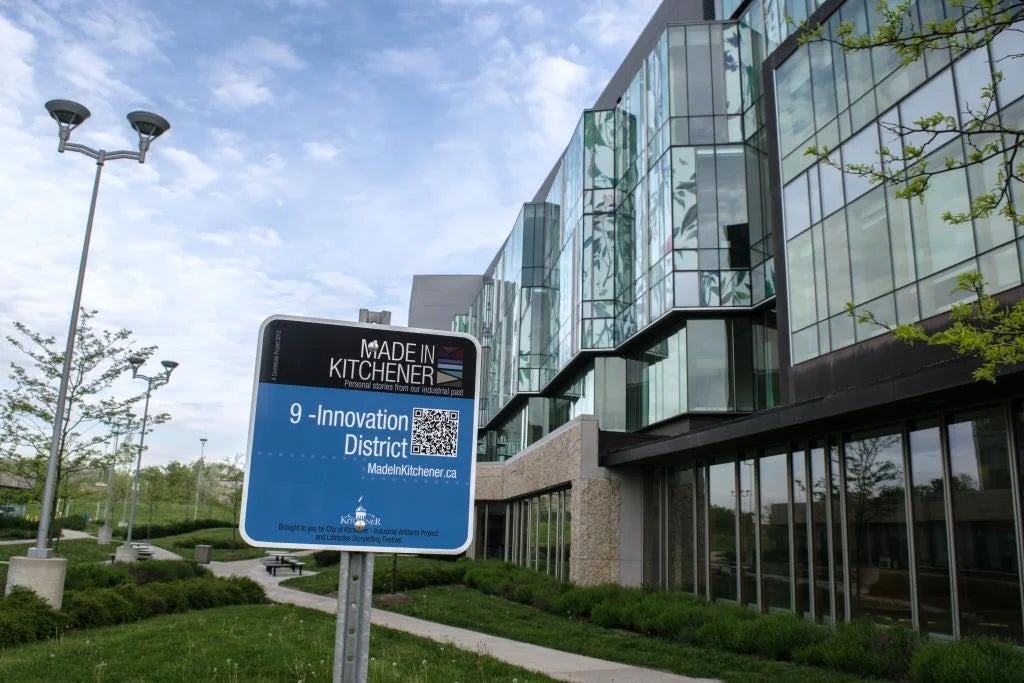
{"x":933,"y":588}
{"x":877,"y":528}
{"x":988,"y":578}
{"x":722,"y":526}
{"x":774,"y":509}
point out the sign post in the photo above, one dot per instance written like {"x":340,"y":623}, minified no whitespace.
{"x":362,"y":439}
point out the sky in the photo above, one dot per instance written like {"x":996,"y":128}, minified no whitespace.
{"x":321,"y":153}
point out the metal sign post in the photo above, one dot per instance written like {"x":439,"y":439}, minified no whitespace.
{"x":352,"y":635}
{"x":362,"y":439}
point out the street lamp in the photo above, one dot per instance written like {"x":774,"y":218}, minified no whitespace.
{"x":199,"y":473}
{"x":106,"y":532}
{"x":69,"y":115}
{"x":126,"y":553}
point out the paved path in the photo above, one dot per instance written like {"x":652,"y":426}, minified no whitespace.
{"x":559,"y":665}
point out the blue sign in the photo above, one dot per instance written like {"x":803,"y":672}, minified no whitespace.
{"x":362,"y":438}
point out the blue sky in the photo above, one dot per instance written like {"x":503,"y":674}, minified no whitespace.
{"x":321,"y":153}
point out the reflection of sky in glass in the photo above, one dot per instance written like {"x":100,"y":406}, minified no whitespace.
{"x":722,"y":485}
{"x":963,"y":449}
{"x":773,"y":488}
{"x":926,"y":465}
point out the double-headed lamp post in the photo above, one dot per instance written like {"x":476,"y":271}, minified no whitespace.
{"x":126,"y":553}
{"x":69,"y":115}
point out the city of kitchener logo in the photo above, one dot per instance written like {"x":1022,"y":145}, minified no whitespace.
{"x":361,"y":519}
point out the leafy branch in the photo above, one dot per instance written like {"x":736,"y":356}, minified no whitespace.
{"x":982,"y":327}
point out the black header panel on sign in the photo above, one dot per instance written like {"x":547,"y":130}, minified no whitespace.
{"x":367,"y":358}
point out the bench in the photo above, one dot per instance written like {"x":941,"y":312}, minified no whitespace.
{"x":272,"y":565}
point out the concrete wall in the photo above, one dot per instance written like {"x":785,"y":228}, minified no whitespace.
{"x":607,"y":529}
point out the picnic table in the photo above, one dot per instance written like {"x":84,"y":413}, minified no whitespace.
{"x":281,"y":559}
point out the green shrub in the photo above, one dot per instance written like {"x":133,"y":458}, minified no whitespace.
{"x":579,"y":601}
{"x":862,"y":648}
{"x":326,"y":558}
{"x":221,"y":543}
{"x":417,"y":572}
{"x":183,"y":527}
{"x":778,"y":636}
{"x":98,"y":607}
{"x":166,"y":570}
{"x":26,"y":617}
{"x":94,"y":575}
{"x":971,"y":660}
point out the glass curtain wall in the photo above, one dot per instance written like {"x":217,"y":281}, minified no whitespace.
{"x":834,"y":222}
{"x":917,"y":524}
{"x":538,"y":531}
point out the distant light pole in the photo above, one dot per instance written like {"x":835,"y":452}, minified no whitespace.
{"x":199,"y":473}
{"x":106,"y":532}
{"x":69,"y":115}
{"x":151,"y":381}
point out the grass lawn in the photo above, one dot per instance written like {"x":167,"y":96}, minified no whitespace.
{"x":209,"y":537}
{"x":243,"y":643}
{"x":468,"y":608}
{"x":76,"y":551}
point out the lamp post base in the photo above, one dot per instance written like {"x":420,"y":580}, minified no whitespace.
{"x":44,"y":576}
{"x":125,"y":554}
{"x":103,"y":535}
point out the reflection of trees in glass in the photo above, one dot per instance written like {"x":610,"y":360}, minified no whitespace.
{"x":874,"y":491}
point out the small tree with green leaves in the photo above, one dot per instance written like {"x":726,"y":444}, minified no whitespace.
{"x":28,"y":405}
{"x":981,"y":327}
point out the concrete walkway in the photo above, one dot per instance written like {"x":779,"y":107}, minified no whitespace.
{"x":559,"y":665}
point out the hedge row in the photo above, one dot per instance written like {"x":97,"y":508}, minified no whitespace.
{"x":85,"y":576}
{"x":183,"y":527}
{"x":859,"y":647}
{"x":25,"y":617}
{"x":22,"y":527}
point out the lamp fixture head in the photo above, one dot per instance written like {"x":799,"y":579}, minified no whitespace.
{"x":67,"y":113}
{"x":169,"y":366}
{"x":136,"y":363}
{"x":147,"y":124}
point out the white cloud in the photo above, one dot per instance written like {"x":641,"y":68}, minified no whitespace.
{"x":422,"y":62}
{"x":194,"y":173}
{"x":320,"y":151}
{"x":616,"y":22}
{"x":262,"y":236}
{"x":245,"y":73}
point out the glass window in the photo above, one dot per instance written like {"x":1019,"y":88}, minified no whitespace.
{"x":934,"y":96}
{"x":1006,"y":53}
{"x":938,"y":293}
{"x":774,"y":531}
{"x":871,"y":266}
{"x":973,"y":72}
{"x":679,"y":549}
{"x":861,"y":149}
{"x":677,"y":70}
{"x":821,"y":566}
{"x":792,"y":88}
{"x":797,"y":206}
{"x":1000,"y":268}
{"x":748,"y":530}
{"x":800,"y":280}
{"x":938,"y":244}
{"x":983,"y":178}
{"x":698,"y":76}
{"x":837,"y":263}
{"x":831,"y":184}
{"x":804,"y":344}
{"x":722,"y":525}
{"x":877,"y":527}
{"x":824,"y":82}
{"x":802,"y":597}
{"x":988,"y":578}
{"x":707,"y":367}
{"x":930,"y":544}
{"x":835,"y":468}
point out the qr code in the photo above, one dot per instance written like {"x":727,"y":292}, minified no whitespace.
{"x":435,"y":432}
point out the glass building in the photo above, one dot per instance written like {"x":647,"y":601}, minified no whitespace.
{"x":674,"y":394}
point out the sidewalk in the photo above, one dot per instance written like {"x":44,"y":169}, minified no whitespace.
{"x":554,"y":663}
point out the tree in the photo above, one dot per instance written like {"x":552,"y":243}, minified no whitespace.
{"x":982,"y":327}
{"x":225,"y":483}
{"x":27,"y":408}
